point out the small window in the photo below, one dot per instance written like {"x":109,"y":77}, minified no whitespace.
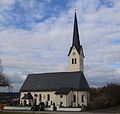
{"x":51,"y":102}
{"x":61,"y":103}
{"x":74,"y":98}
{"x":48,"y":97}
{"x":72,"y":61}
{"x":82,"y":98}
{"x":75,"y":60}
{"x":40,"y":97}
{"x":61,"y":96}
{"x":25,"y":102}
{"x":35,"y":96}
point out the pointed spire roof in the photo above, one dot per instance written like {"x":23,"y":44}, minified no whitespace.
{"x":76,"y":41}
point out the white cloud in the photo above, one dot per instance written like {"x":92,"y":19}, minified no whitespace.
{"x":6,"y":4}
{"x":45,"y":47}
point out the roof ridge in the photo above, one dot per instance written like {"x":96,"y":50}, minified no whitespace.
{"x":53,"y":73}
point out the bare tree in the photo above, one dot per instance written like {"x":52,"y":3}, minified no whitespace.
{"x":4,"y":82}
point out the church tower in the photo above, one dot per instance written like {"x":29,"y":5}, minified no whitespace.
{"x":76,"y":54}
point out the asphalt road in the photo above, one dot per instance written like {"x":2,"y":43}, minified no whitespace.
{"x":113,"y":110}
{"x":55,"y":112}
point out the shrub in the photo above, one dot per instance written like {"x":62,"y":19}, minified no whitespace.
{"x":106,"y":96}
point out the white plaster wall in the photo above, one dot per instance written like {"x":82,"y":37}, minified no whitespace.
{"x":79,"y":65}
{"x":75,"y":104}
{"x":22,"y":100}
{"x":13,"y":108}
{"x":44,"y":96}
{"x":86,"y":97}
{"x":69,"y":109}
{"x":58,"y":100}
{"x":79,"y":98}
{"x":69,"y":99}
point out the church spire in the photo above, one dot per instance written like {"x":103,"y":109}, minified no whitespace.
{"x":76,"y":55}
{"x":76,"y":41}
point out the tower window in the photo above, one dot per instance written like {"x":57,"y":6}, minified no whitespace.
{"x":75,"y":60}
{"x":72,"y":61}
{"x":48,"y":97}
{"x":74,"y":98}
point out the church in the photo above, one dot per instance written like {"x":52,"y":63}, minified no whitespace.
{"x":66,"y":89}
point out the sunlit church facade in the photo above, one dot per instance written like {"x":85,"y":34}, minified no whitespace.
{"x":67,"y":89}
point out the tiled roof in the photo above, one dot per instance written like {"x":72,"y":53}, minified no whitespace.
{"x":55,"y":81}
{"x":63,"y":90}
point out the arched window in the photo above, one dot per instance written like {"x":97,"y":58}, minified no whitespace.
{"x":75,"y":60}
{"x":61,"y":96}
{"x":72,"y":61}
{"x":74,"y":98}
{"x":82,"y":98}
{"x":25,"y":102}
{"x":51,"y":103}
{"x":61,"y":103}
{"x":48,"y":97}
{"x":35,"y":96}
{"x":40,"y":97}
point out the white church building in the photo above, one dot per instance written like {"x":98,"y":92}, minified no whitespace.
{"x":67,"y":89}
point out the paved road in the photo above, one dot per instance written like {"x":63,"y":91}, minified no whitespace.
{"x":51,"y":112}
{"x":113,"y":110}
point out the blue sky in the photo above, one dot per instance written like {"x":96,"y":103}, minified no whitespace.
{"x":35,"y":37}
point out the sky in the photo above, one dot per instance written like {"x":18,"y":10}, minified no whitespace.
{"x":36,"y":35}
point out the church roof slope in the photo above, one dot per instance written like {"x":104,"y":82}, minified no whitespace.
{"x":55,"y":81}
{"x":63,"y":90}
